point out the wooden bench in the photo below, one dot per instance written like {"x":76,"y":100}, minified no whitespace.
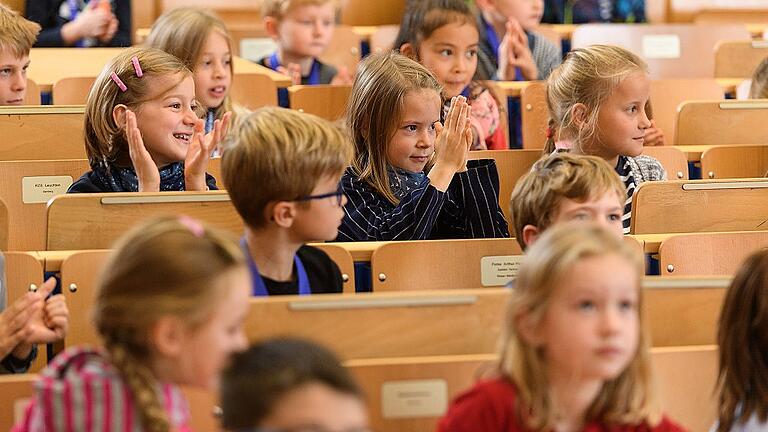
{"x":709,"y":254}
{"x":739,"y":59}
{"x":41,"y":133}
{"x":704,"y":122}
{"x":699,"y":206}
{"x":326,"y":101}
{"x":735,"y":161}
{"x":674,"y":161}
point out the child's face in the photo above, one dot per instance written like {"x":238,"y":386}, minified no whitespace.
{"x":450,"y":52}
{"x":213,"y":76}
{"x":205,"y":350}
{"x":317,"y":407}
{"x":414,"y":139}
{"x":604,"y":209}
{"x":306,"y":31}
{"x":167,"y":121}
{"x":621,"y":122}
{"x":13,"y":78}
{"x":320,"y":219}
{"x":591,"y":328}
{"x":527,"y":12}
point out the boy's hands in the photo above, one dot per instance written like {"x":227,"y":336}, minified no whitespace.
{"x":143,"y":164}
{"x":293,"y":71}
{"x":452,"y":144}
{"x":653,"y":136}
{"x":50,"y":321}
{"x":13,"y":323}
{"x":199,"y":152}
{"x":514,"y":53}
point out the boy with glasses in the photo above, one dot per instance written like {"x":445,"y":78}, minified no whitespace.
{"x":282,"y":170}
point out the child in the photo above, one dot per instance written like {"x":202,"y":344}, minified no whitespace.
{"x":565,"y":187}
{"x":81,"y":23}
{"x":290,"y":385}
{"x":303,"y":157}
{"x":442,"y":35}
{"x":201,"y":41}
{"x":410,"y":179}
{"x":743,"y":382}
{"x":16,"y":38}
{"x":302,"y":30}
{"x":596,"y":102}
{"x":512,"y":50}
{"x":32,"y":319}
{"x":141,"y":129}
{"x":574,"y":352}
{"x":169,"y":308}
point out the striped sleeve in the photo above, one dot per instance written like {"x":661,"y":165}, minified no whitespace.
{"x":369,"y":216}
{"x":472,"y":209}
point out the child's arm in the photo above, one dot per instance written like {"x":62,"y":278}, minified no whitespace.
{"x":199,"y":152}
{"x":452,"y":145}
{"x":146,"y":169}
{"x":514,"y":52}
{"x":13,"y":325}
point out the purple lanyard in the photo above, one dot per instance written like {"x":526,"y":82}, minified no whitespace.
{"x":493,"y":40}
{"x":260,"y":288}
{"x":314,"y":73}
{"x":74,"y":9}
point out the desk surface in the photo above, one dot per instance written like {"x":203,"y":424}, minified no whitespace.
{"x":48,"y":65}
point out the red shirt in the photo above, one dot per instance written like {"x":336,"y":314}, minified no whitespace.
{"x":488,"y":407}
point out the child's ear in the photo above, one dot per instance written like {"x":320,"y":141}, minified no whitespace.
{"x":271,"y":25}
{"x":529,"y":331}
{"x":118,"y":115}
{"x":282,"y":213}
{"x":407,"y":50}
{"x":530,"y":234}
{"x":579,"y":114}
{"x":167,"y":336}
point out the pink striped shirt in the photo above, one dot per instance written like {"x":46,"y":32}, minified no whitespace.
{"x":80,"y":391}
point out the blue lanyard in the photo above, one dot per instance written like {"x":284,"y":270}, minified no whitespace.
{"x":314,"y":73}
{"x":493,"y":40}
{"x":260,"y":288}
{"x":209,"y":119}
{"x":74,"y":9}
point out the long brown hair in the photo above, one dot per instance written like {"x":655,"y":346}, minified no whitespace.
{"x":626,"y":399}
{"x":165,"y":266}
{"x":743,"y":339}
{"x":375,"y":108}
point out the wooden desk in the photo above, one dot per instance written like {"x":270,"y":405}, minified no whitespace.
{"x":365,"y":32}
{"x":651,"y":242}
{"x":48,"y":65}
{"x":512,"y":88}
{"x":756,"y":29}
{"x":694,"y":152}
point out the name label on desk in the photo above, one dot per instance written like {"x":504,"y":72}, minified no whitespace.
{"x":40,"y":189}
{"x":661,"y":46}
{"x":499,"y":270}
{"x":414,"y":398}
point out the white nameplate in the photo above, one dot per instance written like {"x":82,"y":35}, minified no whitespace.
{"x":254,"y":49}
{"x":41,"y":189}
{"x":414,"y":398}
{"x":661,"y":46}
{"x":499,"y":270}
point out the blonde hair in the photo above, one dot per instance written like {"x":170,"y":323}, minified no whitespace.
{"x":182,"y":32}
{"x":375,"y":108}
{"x":587,"y":76}
{"x":292,"y":149}
{"x":759,"y":87}
{"x":165,"y":266}
{"x":278,"y":8}
{"x":626,"y":399}
{"x":17,"y":34}
{"x":105,"y":141}
{"x":539,"y":193}
{"x":743,"y":342}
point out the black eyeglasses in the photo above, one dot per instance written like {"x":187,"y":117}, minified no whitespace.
{"x":339,"y":194}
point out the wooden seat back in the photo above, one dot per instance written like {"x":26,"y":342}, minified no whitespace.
{"x":703,"y":122}
{"x":739,"y":59}
{"x":734,"y":161}
{"x":673,"y":160}
{"x":326,"y":101}
{"x":41,"y":133}
{"x":708,"y":254}
{"x":699,"y":206}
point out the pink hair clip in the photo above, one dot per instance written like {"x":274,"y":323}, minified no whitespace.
{"x":118,"y":81}
{"x":195,"y":227}
{"x":137,"y":66}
